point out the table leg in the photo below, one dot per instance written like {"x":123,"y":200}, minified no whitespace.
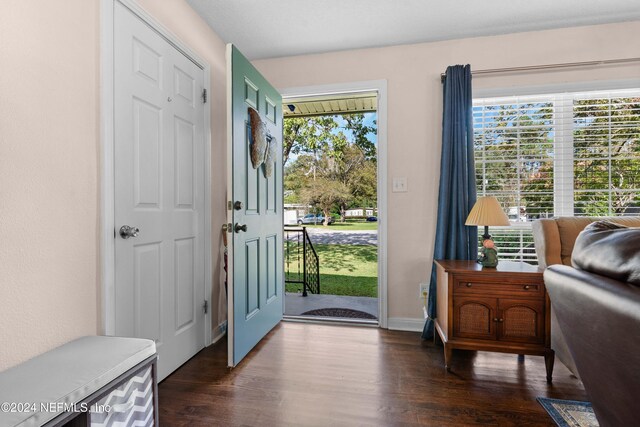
{"x":447,"y":356}
{"x":549,"y":359}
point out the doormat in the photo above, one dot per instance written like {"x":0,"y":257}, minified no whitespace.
{"x":569,"y":413}
{"x":339,"y":312}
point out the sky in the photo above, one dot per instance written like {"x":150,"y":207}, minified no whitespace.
{"x":369,"y":119}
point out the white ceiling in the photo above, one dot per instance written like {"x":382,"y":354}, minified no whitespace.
{"x":274,"y":28}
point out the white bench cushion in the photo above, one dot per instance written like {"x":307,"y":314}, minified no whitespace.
{"x":68,"y":374}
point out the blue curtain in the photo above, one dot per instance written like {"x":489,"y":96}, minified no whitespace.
{"x":457,"y":193}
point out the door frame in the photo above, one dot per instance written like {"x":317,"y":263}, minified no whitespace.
{"x":107,"y":161}
{"x":379,"y":86}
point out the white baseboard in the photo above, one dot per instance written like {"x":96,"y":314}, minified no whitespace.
{"x":219,"y":332}
{"x":405,"y":324}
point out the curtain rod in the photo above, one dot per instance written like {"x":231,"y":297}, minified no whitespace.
{"x":443,"y":76}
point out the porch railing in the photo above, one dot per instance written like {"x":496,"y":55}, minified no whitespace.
{"x":301,"y":262}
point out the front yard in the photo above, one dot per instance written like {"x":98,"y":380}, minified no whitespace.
{"x":345,"y":270}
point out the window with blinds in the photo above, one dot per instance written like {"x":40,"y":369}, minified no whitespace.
{"x":557,"y":155}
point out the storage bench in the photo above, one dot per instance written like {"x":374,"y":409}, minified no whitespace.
{"x":92,"y":381}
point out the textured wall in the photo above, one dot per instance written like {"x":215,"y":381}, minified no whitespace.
{"x":415,"y":115}
{"x":48,"y":175}
{"x":49,"y":166}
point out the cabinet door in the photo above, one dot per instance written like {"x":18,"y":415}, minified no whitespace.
{"x":473,"y":317}
{"x":521,"y":320}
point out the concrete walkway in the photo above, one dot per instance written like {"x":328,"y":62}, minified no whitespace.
{"x":295,"y":304}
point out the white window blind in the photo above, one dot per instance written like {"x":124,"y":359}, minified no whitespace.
{"x":557,"y":154}
{"x":606,"y":146}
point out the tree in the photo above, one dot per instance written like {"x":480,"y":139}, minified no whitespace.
{"x":325,"y":194}
{"x":606,"y":127}
{"x":307,"y":135}
{"x":304,"y":135}
{"x":602,"y":127}
{"x":335,"y":162}
{"x":358,"y":174}
{"x":523,"y":131}
{"x":360,"y":131}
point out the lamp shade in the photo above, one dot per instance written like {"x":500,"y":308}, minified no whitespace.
{"x":487,"y":211}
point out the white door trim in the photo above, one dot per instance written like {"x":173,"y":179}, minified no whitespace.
{"x":379,"y":86}
{"x":107,"y":176}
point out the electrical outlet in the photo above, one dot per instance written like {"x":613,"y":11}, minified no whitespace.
{"x":424,"y":291}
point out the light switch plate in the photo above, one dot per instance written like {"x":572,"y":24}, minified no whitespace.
{"x":399,"y":185}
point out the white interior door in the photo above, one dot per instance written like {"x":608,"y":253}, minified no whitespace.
{"x":159,"y":189}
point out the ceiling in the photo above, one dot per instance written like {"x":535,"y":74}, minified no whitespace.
{"x":330,"y":105}
{"x":275,"y":28}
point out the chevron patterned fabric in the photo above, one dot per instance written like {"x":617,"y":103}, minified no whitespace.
{"x":129,"y":405}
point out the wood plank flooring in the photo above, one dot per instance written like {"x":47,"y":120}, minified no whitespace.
{"x":327,"y":375}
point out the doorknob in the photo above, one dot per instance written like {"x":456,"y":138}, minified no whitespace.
{"x":237,"y":205}
{"x":238,"y":228}
{"x":126,"y":231}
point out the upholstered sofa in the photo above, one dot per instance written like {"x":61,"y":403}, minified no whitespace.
{"x":554,"y":240}
{"x":597,"y":303}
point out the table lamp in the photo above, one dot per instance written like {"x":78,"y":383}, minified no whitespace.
{"x":487,"y":212}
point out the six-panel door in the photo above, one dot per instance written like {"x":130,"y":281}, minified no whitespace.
{"x":159,"y":189}
{"x":256,"y":289}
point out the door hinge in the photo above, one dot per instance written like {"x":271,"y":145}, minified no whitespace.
{"x":204,"y":96}
{"x":205,"y":306}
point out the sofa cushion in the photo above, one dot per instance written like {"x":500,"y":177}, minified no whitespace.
{"x":570,"y":227}
{"x":610,"y":250}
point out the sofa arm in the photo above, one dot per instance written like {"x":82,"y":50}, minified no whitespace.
{"x":600,"y":320}
{"x":546,"y":239}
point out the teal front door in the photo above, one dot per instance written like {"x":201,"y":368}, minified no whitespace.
{"x":256,"y":264}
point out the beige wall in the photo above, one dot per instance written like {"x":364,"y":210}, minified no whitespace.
{"x":48,"y":175}
{"x":49,"y":165}
{"x":415,"y":116}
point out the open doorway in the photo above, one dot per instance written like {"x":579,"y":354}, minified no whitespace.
{"x":331,"y":215}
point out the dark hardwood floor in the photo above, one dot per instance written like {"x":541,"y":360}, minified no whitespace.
{"x":326,"y":375}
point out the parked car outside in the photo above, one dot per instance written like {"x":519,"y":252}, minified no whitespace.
{"x":372,"y":219}
{"x":313,"y":219}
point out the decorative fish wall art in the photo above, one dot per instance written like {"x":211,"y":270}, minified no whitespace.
{"x":262,"y":147}
{"x":258,"y":142}
{"x":270,"y":160}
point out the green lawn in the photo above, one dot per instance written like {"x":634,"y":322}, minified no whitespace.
{"x":344,"y":270}
{"x":350,"y":225}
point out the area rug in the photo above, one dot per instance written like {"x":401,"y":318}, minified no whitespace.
{"x":569,"y":413}
{"x":339,"y":312}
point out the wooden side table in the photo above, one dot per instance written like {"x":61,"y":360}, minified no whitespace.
{"x":504,"y":309}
